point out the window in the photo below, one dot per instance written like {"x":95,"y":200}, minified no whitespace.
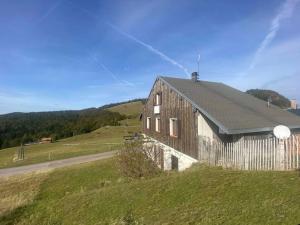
{"x":157,"y":124}
{"x":173,"y":127}
{"x":157,"y":100}
{"x":148,"y":122}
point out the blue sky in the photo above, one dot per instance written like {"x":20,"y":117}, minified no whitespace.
{"x":67,"y":54}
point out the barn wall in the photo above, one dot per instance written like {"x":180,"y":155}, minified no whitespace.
{"x":214,"y":128}
{"x":173,"y":106}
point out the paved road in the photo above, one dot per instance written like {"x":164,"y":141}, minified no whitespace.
{"x":54,"y":164}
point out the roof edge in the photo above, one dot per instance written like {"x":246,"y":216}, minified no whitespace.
{"x":222,"y":128}
{"x":256,"y":130}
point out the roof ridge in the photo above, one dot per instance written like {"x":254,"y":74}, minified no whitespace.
{"x":187,"y":79}
{"x":244,"y":113}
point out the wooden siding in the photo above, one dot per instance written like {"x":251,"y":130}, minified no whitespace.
{"x":264,"y":153}
{"x":172,"y":106}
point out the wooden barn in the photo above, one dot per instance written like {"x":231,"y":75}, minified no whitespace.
{"x":189,"y":120}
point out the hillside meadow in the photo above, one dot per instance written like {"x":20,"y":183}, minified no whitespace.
{"x":132,"y":109}
{"x":106,"y":138}
{"x":96,"y":193}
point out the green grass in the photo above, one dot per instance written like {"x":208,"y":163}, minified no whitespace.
{"x":130,"y":109}
{"x":95,"y":193}
{"x":19,"y":191}
{"x":101,"y":140}
{"x":104,"y":139}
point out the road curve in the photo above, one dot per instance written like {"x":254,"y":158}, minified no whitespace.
{"x":54,"y":164}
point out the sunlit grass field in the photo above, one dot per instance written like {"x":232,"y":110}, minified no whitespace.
{"x":96,"y":193}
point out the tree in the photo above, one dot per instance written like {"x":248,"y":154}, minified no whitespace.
{"x":134,"y":160}
{"x":276,"y":98}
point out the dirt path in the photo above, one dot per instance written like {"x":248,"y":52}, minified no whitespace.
{"x":54,"y":164}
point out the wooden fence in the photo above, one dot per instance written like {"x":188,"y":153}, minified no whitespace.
{"x":252,"y":154}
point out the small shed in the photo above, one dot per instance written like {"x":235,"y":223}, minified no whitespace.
{"x":46,"y":140}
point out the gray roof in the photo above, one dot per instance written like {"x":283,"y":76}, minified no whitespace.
{"x":231,"y":110}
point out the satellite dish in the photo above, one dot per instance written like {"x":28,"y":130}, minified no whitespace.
{"x":282,"y":132}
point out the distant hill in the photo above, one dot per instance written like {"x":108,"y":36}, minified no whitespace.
{"x":277,"y":99}
{"x":137,"y":100}
{"x":131,"y":109}
{"x":17,"y":128}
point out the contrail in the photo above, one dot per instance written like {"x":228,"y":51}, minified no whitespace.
{"x":106,"y":69}
{"x":112,"y":74}
{"x":49,"y":11}
{"x":83,"y":10}
{"x":151,"y":49}
{"x":285,"y":12}
{"x":128,"y":83}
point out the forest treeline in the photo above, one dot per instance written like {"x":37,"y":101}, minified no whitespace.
{"x":17,"y":128}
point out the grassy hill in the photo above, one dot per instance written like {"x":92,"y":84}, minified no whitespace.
{"x":95,"y":193}
{"x":17,"y":128}
{"x":104,"y":139}
{"x":132,"y":109}
{"x":24,"y":128}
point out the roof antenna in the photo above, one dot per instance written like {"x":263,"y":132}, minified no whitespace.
{"x":198,"y":62}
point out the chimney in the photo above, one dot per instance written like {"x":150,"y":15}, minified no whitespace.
{"x":293,"y":104}
{"x":194,"y":76}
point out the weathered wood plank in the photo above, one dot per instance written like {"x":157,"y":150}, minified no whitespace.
{"x":172,"y":106}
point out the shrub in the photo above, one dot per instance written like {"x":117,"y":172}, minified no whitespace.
{"x":134,"y":161}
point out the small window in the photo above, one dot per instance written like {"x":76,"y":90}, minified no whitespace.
{"x":158,"y":98}
{"x":173,"y":127}
{"x":157,"y":124}
{"x":148,"y":122}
